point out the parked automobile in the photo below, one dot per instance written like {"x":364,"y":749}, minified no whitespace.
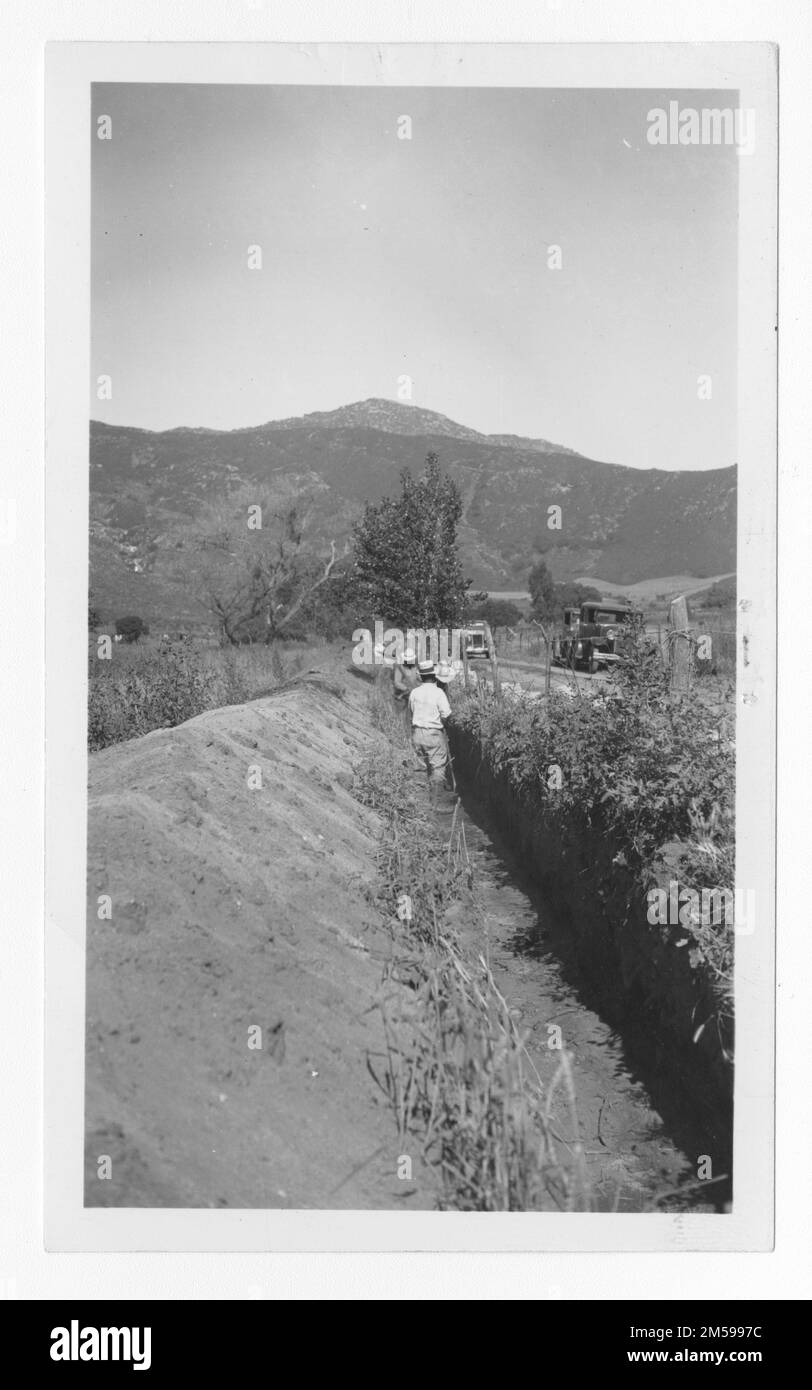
{"x":594,"y":635}
{"x":478,"y":640}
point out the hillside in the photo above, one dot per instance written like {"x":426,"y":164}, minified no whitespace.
{"x":622,"y":523}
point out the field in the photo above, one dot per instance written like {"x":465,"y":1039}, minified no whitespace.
{"x":155,"y":684}
{"x":659,"y":590}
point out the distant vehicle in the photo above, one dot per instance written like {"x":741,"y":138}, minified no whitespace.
{"x":478,"y":640}
{"x":594,"y":635}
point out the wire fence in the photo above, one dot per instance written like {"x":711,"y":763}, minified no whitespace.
{"x":711,"y":636}
{"x":713,"y":643}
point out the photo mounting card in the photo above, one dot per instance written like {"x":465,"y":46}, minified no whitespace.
{"x":411,"y":486}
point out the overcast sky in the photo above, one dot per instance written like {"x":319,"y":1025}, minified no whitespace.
{"x":427,"y":257}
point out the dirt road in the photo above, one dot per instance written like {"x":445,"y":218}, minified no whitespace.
{"x":528,"y":675}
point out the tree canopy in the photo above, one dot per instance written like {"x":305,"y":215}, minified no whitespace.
{"x":407,"y":565}
{"x":549,"y":598}
{"x":541,"y":584}
{"x":497,"y":612}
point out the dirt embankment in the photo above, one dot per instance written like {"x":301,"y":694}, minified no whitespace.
{"x":237,"y":905}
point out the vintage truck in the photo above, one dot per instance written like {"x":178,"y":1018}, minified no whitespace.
{"x":478,"y":640}
{"x":594,"y":635}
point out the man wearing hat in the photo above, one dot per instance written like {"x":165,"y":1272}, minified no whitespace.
{"x":429,"y":709}
{"x":404,"y":676}
{"x":446,"y":673}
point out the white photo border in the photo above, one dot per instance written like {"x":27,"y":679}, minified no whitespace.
{"x":749,"y":71}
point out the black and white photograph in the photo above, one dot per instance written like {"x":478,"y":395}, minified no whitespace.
{"x":426,"y":693}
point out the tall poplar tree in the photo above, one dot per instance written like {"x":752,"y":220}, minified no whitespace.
{"x":407,"y":564}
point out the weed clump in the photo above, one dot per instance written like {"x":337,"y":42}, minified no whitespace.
{"x":156,"y":685}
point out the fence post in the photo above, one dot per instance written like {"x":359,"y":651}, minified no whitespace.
{"x":662,"y":647}
{"x":681,"y":644}
{"x":497,"y":689}
{"x":465,"y":662}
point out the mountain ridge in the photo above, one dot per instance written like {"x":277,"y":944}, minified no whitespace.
{"x":623,"y":523}
{"x":375,"y":412}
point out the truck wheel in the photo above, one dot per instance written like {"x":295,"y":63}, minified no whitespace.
{"x":592,"y":667}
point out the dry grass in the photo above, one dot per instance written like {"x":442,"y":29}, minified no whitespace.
{"x":457,"y":1070}
{"x":158,"y":684}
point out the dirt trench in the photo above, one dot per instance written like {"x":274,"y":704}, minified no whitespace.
{"x":241,"y":903}
{"x":640,"y":1156}
{"x":590,"y":932}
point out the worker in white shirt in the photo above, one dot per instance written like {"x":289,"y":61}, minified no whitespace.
{"x":429,"y":709}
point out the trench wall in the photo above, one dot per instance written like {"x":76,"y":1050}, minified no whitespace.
{"x":636,"y":975}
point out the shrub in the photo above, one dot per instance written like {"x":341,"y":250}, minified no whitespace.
{"x":636,"y":766}
{"x":131,"y":628}
{"x":495,"y":612}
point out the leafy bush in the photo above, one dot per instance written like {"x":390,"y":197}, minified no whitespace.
{"x":131,"y":628}
{"x":635,"y":765}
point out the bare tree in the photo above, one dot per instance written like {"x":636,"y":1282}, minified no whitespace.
{"x":250,"y":569}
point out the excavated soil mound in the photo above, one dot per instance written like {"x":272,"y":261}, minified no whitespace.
{"x":238,"y":866}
